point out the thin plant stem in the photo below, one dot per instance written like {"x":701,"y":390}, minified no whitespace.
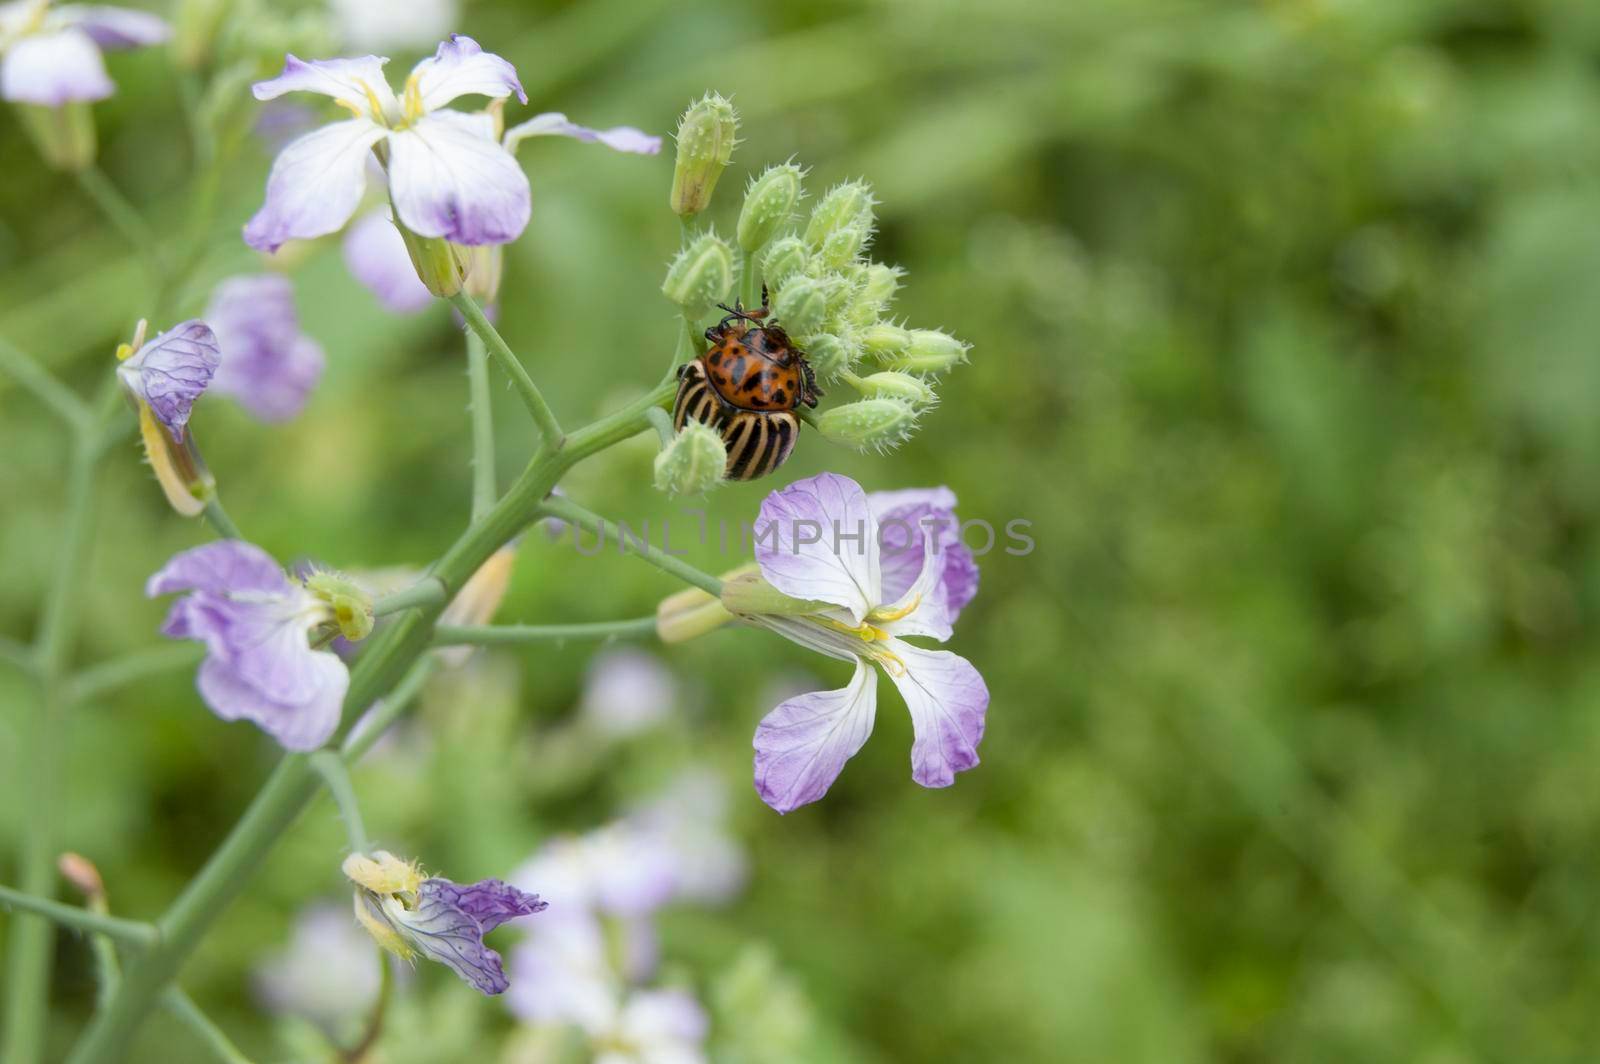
{"x":108,"y":676}
{"x":387,"y":711}
{"x":483,"y":480}
{"x":189,"y":1014}
{"x":570,"y":511}
{"x":532,"y":398}
{"x":747,"y":279}
{"x":662,"y":422}
{"x":132,"y":932}
{"x":330,"y":766}
{"x":503,"y":634}
{"x":122,"y":215}
{"x":219,"y":519}
{"x":44,"y":386}
{"x":425,"y":592}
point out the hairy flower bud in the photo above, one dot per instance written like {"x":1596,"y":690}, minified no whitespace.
{"x":885,"y":339}
{"x":693,"y":463}
{"x":892,"y":384}
{"x":768,"y":204}
{"x":832,"y":353}
{"x":785,"y":258}
{"x":352,"y":605}
{"x":928,"y":351}
{"x":801,"y":305}
{"x":841,"y":225}
{"x":870,"y":424}
{"x":701,"y":275}
{"x":64,"y":135}
{"x":878,"y":284}
{"x":706,"y":136}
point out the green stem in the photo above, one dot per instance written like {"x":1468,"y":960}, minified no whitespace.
{"x":132,"y":932}
{"x":220,"y":521}
{"x":662,"y":421}
{"x":570,"y":511}
{"x":425,"y":592}
{"x":130,"y":668}
{"x":483,"y":481}
{"x":182,"y":1007}
{"x":330,"y":766}
{"x":747,"y":279}
{"x":549,"y":427}
{"x":16,"y":655}
{"x":44,"y":386}
{"x":495,"y":635}
{"x":122,"y":215}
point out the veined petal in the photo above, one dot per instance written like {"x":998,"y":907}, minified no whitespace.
{"x":114,"y":27}
{"x":885,"y":502}
{"x":171,"y":371}
{"x":923,"y":603}
{"x":220,"y":567}
{"x":296,"y":726}
{"x":554,"y":124}
{"x":817,"y":539}
{"x":441,"y":931}
{"x":802,"y":745}
{"x":491,"y":902}
{"x":948,"y":701}
{"x":448,"y":177}
{"x":358,"y":84}
{"x":461,"y":68}
{"x":315,"y":184}
{"x":375,"y":254}
{"x":52,"y":69}
{"x":904,"y":517}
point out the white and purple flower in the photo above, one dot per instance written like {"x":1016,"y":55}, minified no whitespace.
{"x":412,"y":916}
{"x":448,"y":175}
{"x":254,"y":621}
{"x":169,"y":372}
{"x":51,"y":55}
{"x":886,"y":570}
{"x":268,"y":364}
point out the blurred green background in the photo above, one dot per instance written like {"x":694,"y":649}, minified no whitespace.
{"x":1285,"y":341}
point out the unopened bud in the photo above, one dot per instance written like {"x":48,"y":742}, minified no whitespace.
{"x":350,"y":602}
{"x":693,"y":463}
{"x":701,"y":275}
{"x":83,"y":875}
{"x":483,"y":265}
{"x":870,"y":424}
{"x":179,"y":469}
{"x":891,"y":384}
{"x":768,"y":205}
{"x":801,"y":305}
{"x":786,"y":258}
{"x":831,"y":353}
{"x":928,"y":351}
{"x":437,"y":262}
{"x":841,"y":224}
{"x":689,"y":613}
{"x":706,"y":135}
{"x":878,"y":284}
{"x":64,"y":135}
{"x":885,"y":339}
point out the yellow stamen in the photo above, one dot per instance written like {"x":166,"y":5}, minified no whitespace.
{"x":881,"y":614}
{"x":351,"y":106}
{"x":374,"y":103}
{"x":413,"y":99}
{"x":867,"y":633}
{"x":124,"y":352}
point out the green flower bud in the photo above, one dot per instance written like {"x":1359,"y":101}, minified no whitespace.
{"x":841,"y":225}
{"x":892,"y":384}
{"x":693,"y":463}
{"x":831,"y":354}
{"x":786,"y":258}
{"x":702,"y":274}
{"x":928,"y":351}
{"x":689,"y":614}
{"x":878,"y":284}
{"x":870,"y":424}
{"x":352,"y":605}
{"x":436,"y":260}
{"x":706,"y":135}
{"x":64,"y":135}
{"x":801,"y":305}
{"x":885,"y":339}
{"x":768,"y":205}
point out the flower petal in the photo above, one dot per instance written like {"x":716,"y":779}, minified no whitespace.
{"x":171,"y":371}
{"x":301,"y":726}
{"x":491,"y":902}
{"x":903,"y":518}
{"x":449,"y":177}
{"x":461,"y":68}
{"x":923,"y":603}
{"x":358,"y":84}
{"x":375,"y":254}
{"x":802,"y":745}
{"x":948,"y":701}
{"x":267,"y":365}
{"x":817,"y":539}
{"x":554,"y":124}
{"x":114,"y":27}
{"x":315,"y":184}
{"x":220,"y":567}
{"x":52,"y":69}
{"x":443,"y":932}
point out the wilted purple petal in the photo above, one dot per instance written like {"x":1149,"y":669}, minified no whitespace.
{"x":802,"y":745}
{"x":441,"y":930}
{"x":297,"y":726}
{"x":948,"y":701}
{"x":491,"y":902}
{"x":54,"y":68}
{"x":461,"y":68}
{"x":268,"y":365}
{"x":375,"y":253}
{"x":171,"y":371}
{"x":817,"y":539}
{"x":554,"y":124}
{"x":114,"y":27}
{"x":220,"y":567}
{"x":449,"y":177}
{"x":315,"y":185}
